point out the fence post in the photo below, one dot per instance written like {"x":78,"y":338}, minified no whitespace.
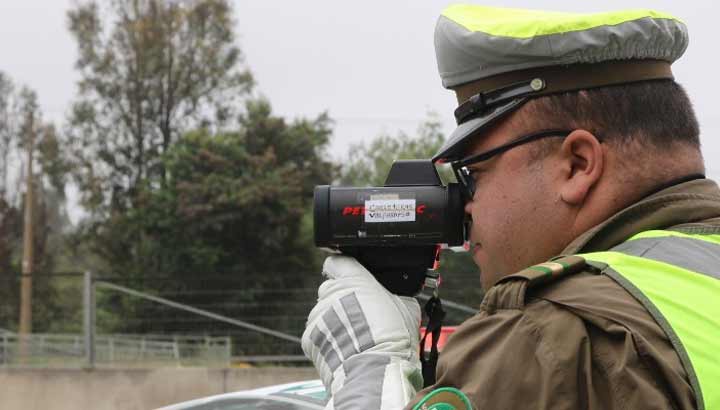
{"x":5,"y":349}
{"x":228,"y":351}
{"x":89,"y":319}
{"x":38,"y":351}
{"x":176,"y":353}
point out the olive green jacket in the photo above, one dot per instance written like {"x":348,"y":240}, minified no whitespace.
{"x":582,"y":341}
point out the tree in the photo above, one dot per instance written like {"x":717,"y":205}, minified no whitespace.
{"x":231,"y":198}
{"x":8,"y":144}
{"x":181,"y":179}
{"x":150,"y":72}
{"x":233,"y":208}
{"x":8,"y":128}
{"x":20,"y":117}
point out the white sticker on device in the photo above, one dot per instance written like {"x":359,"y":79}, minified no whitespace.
{"x":389,"y":210}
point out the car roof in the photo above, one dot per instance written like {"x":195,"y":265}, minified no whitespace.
{"x":309,"y":392}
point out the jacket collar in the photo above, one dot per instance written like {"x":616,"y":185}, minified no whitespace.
{"x":686,"y":203}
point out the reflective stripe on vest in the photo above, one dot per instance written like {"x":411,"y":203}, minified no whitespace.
{"x":676,"y":277}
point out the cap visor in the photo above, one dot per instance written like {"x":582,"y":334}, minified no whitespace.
{"x":460,"y":138}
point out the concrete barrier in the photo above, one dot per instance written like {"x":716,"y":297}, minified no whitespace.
{"x":131,"y":389}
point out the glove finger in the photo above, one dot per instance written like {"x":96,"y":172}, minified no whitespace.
{"x":341,"y":266}
{"x":412,"y":314}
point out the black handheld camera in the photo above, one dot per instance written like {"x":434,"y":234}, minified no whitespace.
{"x":395,"y":231}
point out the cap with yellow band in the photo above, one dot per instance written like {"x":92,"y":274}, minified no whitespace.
{"x":495,"y":59}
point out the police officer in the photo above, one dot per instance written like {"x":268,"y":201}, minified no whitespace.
{"x":596,"y":233}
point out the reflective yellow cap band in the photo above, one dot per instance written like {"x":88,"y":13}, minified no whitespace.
{"x":521,"y":23}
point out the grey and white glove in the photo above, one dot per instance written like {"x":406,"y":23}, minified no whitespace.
{"x":363,"y":340}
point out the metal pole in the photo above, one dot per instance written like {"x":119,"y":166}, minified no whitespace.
{"x":25,"y":325}
{"x":89,"y":320}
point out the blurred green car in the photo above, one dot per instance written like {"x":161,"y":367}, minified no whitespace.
{"x":306,"y":395}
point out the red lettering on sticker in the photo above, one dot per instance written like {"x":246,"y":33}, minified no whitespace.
{"x":353,"y":210}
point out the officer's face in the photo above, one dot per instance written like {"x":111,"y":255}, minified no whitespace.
{"x":516,"y":209}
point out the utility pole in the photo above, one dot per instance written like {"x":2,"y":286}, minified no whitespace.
{"x":25,"y":327}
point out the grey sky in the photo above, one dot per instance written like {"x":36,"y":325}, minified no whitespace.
{"x":370,"y":64}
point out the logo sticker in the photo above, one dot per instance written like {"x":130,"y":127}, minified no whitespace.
{"x":389,"y":210}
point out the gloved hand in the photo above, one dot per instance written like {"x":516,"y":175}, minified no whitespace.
{"x":363,"y":340}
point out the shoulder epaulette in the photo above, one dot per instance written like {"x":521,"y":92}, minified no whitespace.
{"x":509,"y":292}
{"x":550,"y":271}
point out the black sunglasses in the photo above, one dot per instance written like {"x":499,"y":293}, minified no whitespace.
{"x":464,"y":174}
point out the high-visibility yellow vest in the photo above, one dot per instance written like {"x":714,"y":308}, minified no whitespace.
{"x":676,"y":276}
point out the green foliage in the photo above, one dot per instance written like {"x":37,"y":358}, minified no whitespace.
{"x":182,"y":180}
{"x":192,"y":186}
{"x":150,"y":70}
{"x":20,"y":118}
{"x":230,"y":199}
{"x":234,"y":205}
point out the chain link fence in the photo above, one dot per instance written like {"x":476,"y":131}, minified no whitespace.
{"x":68,"y":351}
{"x":208,"y":321}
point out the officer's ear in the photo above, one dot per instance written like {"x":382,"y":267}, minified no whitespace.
{"x":582,"y":159}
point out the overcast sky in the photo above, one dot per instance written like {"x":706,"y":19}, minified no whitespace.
{"x":369,"y":63}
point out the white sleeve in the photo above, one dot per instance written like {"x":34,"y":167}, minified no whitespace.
{"x":363,"y":340}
